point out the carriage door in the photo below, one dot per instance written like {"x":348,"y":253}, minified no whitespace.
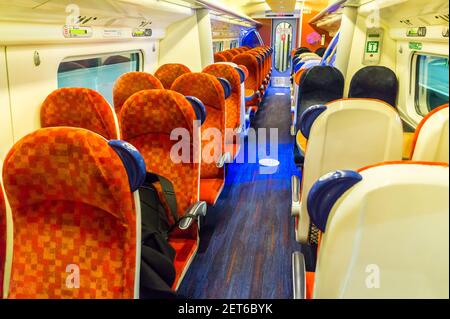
{"x":284,"y":33}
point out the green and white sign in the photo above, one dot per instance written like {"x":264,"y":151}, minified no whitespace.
{"x":372,"y":47}
{"x":415,"y":46}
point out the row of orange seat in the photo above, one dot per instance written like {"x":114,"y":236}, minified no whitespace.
{"x":90,"y":158}
{"x":258,"y":62}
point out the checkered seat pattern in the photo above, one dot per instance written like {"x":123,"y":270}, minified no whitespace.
{"x":130,"y":83}
{"x":80,"y":107}
{"x":73,"y":213}
{"x":208,"y":89}
{"x":168,"y":73}
{"x":148,"y":120}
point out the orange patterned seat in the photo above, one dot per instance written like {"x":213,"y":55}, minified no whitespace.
{"x":80,"y":107}
{"x":233,"y":102}
{"x":2,"y":239}
{"x":168,"y":73}
{"x":74,"y":217}
{"x":251,"y":83}
{"x":218,"y":57}
{"x":228,"y":55}
{"x":234,"y":52}
{"x":209,"y":90}
{"x":147,"y":121}
{"x":130,"y":83}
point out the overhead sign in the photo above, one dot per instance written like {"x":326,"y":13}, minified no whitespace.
{"x":141,"y":33}
{"x":77,"y":32}
{"x":417,"y":32}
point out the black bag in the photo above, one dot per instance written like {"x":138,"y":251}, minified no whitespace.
{"x":157,"y":255}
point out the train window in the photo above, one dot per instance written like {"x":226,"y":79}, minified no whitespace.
{"x":431,"y":83}
{"x":97,"y":72}
{"x":218,"y":46}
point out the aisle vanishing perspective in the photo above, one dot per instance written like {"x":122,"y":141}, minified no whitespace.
{"x":247,"y":241}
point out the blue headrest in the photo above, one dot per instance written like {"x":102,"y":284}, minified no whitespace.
{"x":199,"y":108}
{"x":298,"y":66}
{"x":226,"y":86}
{"x":325,"y":192}
{"x":132,"y":161}
{"x":258,"y":58}
{"x":308,"y":117}
{"x":241,"y":74}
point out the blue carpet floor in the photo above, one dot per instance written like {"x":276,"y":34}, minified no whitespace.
{"x":248,"y":236}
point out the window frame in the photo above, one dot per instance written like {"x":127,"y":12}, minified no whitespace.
{"x":421,"y":107}
{"x":93,"y":56}
{"x":140,"y":65}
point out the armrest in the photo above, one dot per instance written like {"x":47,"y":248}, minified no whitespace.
{"x":295,"y":189}
{"x":225,"y":158}
{"x":299,"y":275}
{"x":192,"y":213}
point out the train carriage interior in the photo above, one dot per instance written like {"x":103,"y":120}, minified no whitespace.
{"x":226,"y":149}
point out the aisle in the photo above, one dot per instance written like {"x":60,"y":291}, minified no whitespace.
{"x":248,"y":238}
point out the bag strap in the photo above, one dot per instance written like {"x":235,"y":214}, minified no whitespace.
{"x":170,"y":198}
{"x":169,"y":193}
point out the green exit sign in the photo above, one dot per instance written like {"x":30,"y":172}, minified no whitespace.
{"x":373,"y":46}
{"x":415,"y":46}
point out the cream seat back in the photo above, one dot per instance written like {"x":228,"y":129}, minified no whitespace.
{"x":386,"y":232}
{"x":431,"y":137}
{"x":345,"y":134}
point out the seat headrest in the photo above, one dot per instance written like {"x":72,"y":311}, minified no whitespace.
{"x":245,"y":70}
{"x":133,"y":161}
{"x":169,"y":72}
{"x":320,"y":51}
{"x":156,"y":112}
{"x":199,"y":108}
{"x":298,"y":65}
{"x":130,"y":83}
{"x":258,"y":58}
{"x":326,"y":191}
{"x":219,"y":58}
{"x":375,"y":82}
{"x":301,"y":50}
{"x":79,"y":107}
{"x":226,"y":87}
{"x":206,"y":87}
{"x":228,"y":72}
{"x":322,"y":78}
{"x":308,"y":117}
{"x":242,"y":75}
{"x":70,"y":164}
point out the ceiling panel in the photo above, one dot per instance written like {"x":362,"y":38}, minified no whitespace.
{"x":282,"y":5}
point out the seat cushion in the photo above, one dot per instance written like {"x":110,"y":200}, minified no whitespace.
{"x":210,"y":190}
{"x":310,"y":284}
{"x":185,"y":250}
